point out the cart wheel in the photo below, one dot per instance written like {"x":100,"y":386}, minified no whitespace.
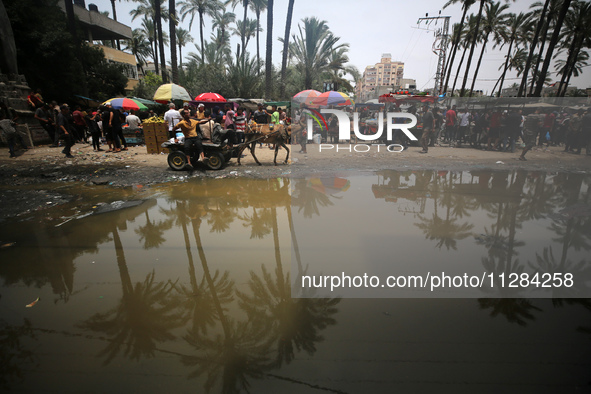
{"x":177,"y":160}
{"x":216,"y":161}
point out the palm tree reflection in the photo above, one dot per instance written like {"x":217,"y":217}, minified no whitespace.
{"x":289,"y":322}
{"x":232,"y":356}
{"x":145,"y":315}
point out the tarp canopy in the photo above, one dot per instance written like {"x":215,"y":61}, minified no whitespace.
{"x":279,"y":103}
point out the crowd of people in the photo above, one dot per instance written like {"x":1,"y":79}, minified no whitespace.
{"x":501,"y":129}
{"x":496,"y":129}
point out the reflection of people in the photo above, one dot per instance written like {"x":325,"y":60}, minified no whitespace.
{"x":189,"y":127}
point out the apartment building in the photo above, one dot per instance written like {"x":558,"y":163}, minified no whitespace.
{"x":381,"y":78}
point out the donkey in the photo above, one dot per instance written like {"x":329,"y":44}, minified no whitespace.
{"x":279,"y":136}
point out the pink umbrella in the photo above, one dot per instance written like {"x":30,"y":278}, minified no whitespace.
{"x":213,"y":97}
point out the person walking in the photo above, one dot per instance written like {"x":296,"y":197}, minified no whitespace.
{"x":428,"y":127}
{"x":65,"y":130}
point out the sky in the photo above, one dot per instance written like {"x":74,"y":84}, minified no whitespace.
{"x":371,"y":28}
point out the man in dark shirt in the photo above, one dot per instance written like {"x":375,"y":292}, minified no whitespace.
{"x":65,"y":130}
{"x":260,"y":116}
{"x":512,"y":123}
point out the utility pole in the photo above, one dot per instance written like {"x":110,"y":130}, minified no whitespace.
{"x":441,"y":38}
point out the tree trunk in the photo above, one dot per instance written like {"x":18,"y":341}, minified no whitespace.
{"x":551,"y":46}
{"x":472,"y":47}
{"x":285,"y":48}
{"x":532,"y":49}
{"x":158,"y":17}
{"x":571,"y":62}
{"x":172,"y":32}
{"x":506,"y":65}
{"x":458,"y":71}
{"x":454,"y":50}
{"x":540,"y":56}
{"x":8,"y":60}
{"x":180,"y":56}
{"x":573,"y":65}
{"x":243,"y":38}
{"x":71,"y":18}
{"x":258,"y":49}
{"x":201,"y":38}
{"x":269,"y":56}
{"x":155,"y":52}
{"x":478,"y":64}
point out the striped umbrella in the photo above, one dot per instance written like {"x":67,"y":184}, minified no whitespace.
{"x":126,"y":104}
{"x":171,"y":91}
{"x":332,"y":98}
{"x":305,"y":96}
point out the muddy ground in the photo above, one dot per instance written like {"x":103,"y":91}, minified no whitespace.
{"x":34,"y":179}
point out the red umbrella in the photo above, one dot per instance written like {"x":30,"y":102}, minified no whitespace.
{"x":213,"y":97}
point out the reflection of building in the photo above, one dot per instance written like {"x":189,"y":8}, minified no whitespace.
{"x":380,"y":78}
{"x":99,"y":27}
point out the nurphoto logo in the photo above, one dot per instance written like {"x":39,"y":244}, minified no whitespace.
{"x":394,"y":121}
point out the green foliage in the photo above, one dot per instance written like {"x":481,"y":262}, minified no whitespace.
{"x":147,"y":86}
{"x":104,"y":80}
{"x":50,"y":58}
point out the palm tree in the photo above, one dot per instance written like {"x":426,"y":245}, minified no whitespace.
{"x":578,"y":30}
{"x":456,"y":42}
{"x":551,"y":46}
{"x":337,"y":69}
{"x":158,"y":18}
{"x":493,"y":22}
{"x":247,"y":32}
{"x":269,"y":55}
{"x":182,"y":38}
{"x":222,"y":20}
{"x":258,"y":6}
{"x":534,"y":43}
{"x":201,"y":8}
{"x":147,"y":9}
{"x":313,"y":48}
{"x":553,"y":11}
{"x":172,"y":28}
{"x":466,"y":36}
{"x":243,"y":77}
{"x":515,"y":62}
{"x":472,"y":47}
{"x":244,"y":25}
{"x":285,"y":48}
{"x":140,"y":47}
{"x":150,"y":32}
{"x":514,"y":25}
{"x":115,"y":18}
{"x":567,"y":71}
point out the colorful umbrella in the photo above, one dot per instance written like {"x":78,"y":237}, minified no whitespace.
{"x":171,"y":91}
{"x":329,"y":185}
{"x":145,"y":102}
{"x":332,"y":98}
{"x":305,"y":96}
{"x":126,"y":104}
{"x":212,"y":97}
